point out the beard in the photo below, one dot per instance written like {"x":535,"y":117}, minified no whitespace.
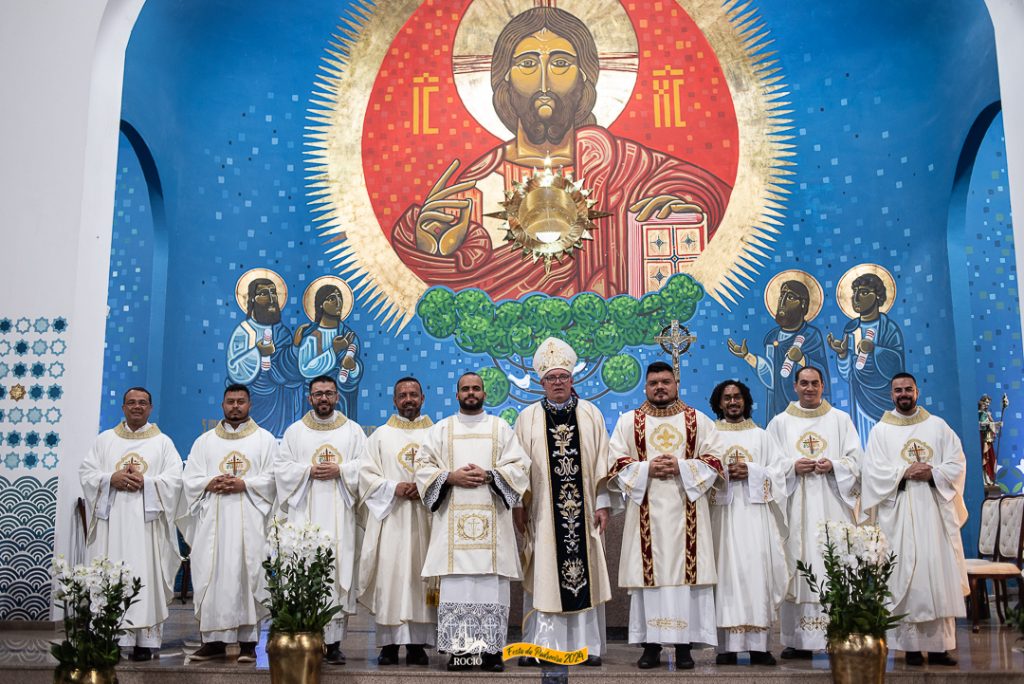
{"x":266,"y":316}
{"x":553,"y":129}
{"x":470,"y":404}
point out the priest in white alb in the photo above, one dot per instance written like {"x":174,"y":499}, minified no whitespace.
{"x":565,"y":512}
{"x":397,"y":532}
{"x":913,"y":476}
{"x":227,"y":498}
{"x":317,"y":473}
{"x":131,"y":480}
{"x":470,"y":472}
{"x":749,"y":523}
{"x":821,"y":453}
{"x":666,"y":457}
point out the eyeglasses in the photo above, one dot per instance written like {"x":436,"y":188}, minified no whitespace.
{"x":557,"y":379}
{"x":330,"y":394}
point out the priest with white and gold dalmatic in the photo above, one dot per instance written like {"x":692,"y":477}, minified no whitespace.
{"x":565,"y":512}
{"x":317,"y":473}
{"x":228,"y":495}
{"x":470,"y":472}
{"x":131,"y":479}
{"x":821,"y":453}
{"x":397,"y":533}
{"x":913,"y":475}
{"x":748,"y":518}
{"x":666,"y":457}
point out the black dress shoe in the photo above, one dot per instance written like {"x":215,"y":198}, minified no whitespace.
{"x":246,"y":652}
{"x":334,"y":655}
{"x":790,"y":653}
{"x":592,"y":661}
{"x":728,"y":658}
{"x":141,"y":654}
{"x":913,"y":658}
{"x":209,"y":651}
{"x":651,"y":657}
{"x":684,"y":661}
{"x":415,"y":654}
{"x":941,"y":658}
{"x":388,"y":655}
{"x":492,"y":662}
{"x":762,"y":658}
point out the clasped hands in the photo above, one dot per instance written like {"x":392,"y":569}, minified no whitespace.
{"x":664,"y":467}
{"x":407,"y":490}
{"x":226,"y":484}
{"x":806,"y":466}
{"x":325,"y":471}
{"x":126,"y":480}
{"x":921,"y":472}
{"x":468,"y":476}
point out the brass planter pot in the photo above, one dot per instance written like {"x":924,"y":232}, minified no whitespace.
{"x":101,"y":675}
{"x":858,"y":659}
{"x":295,"y":658}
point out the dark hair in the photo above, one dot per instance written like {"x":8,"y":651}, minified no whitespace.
{"x":900,"y":376}
{"x":526,"y":24}
{"x":659,"y":367}
{"x":256,"y":282}
{"x":408,"y":378}
{"x":716,"y":398}
{"x":149,"y":396}
{"x":237,"y":387}
{"x":875,"y":283}
{"x":322,"y":378}
{"x":459,"y":381}
{"x":821,"y":376}
{"x":322,"y":293}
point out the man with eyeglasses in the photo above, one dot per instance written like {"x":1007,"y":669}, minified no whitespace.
{"x":565,"y":512}
{"x":131,"y":479}
{"x":317,"y":482}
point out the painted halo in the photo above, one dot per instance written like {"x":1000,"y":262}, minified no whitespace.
{"x":844,"y":288}
{"x":816,"y":294}
{"x":309,"y":296}
{"x":242,"y":287}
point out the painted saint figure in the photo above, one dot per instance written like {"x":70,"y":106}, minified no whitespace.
{"x":261,"y":354}
{"x":544,"y":70}
{"x":328,"y":346}
{"x":869,"y":353}
{"x":988,"y":428}
{"x":793,"y":344}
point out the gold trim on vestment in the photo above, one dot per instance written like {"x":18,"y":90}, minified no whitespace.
{"x":893,"y":418}
{"x":313,"y":424}
{"x":244,"y":430}
{"x":794,"y":409}
{"x":673,"y":409}
{"x":745,"y":424}
{"x":403,"y":424}
{"x":122,"y":431}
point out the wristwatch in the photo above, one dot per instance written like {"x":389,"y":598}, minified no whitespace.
{"x":488,"y":477}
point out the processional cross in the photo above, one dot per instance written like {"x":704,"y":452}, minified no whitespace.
{"x":675,"y":339}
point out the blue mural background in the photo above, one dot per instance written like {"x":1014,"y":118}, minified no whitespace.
{"x":883,"y":97}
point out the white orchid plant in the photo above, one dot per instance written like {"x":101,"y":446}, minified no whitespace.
{"x":855,"y":591}
{"x":95,"y":599}
{"x":300,"y":575}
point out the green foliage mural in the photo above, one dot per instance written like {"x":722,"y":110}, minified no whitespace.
{"x":598,"y":329}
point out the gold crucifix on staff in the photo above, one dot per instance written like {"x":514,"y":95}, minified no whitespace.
{"x":675,"y":339}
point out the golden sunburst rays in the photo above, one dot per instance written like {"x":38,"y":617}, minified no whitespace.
{"x":390,"y":290}
{"x":548,"y":216}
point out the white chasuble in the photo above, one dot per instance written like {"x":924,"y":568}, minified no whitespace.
{"x":136,"y":527}
{"x":824,"y":433}
{"x":667,"y":560}
{"x":922,"y":521}
{"x":229,"y":531}
{"x":472,"y":540}
{"x":748,"y":520}
{"x":329,"y":504}
{"x":397,"y":533}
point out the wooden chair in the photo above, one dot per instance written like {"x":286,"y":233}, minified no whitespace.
{"x":1011,"y":542}
{"x":988,"y":566}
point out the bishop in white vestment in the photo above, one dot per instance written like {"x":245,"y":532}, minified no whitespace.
{"x":131,"y":480}
{"x":562,"y":519}
{"x":470,"y":472}
{"x":748,"y":519}
{"x":317,"y":474}
{"x":397,"y":533}
{"x":228,"y":494}
{"x":666,"y":457}
{"x":821,"y":453}
{"x":913,"y":475}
